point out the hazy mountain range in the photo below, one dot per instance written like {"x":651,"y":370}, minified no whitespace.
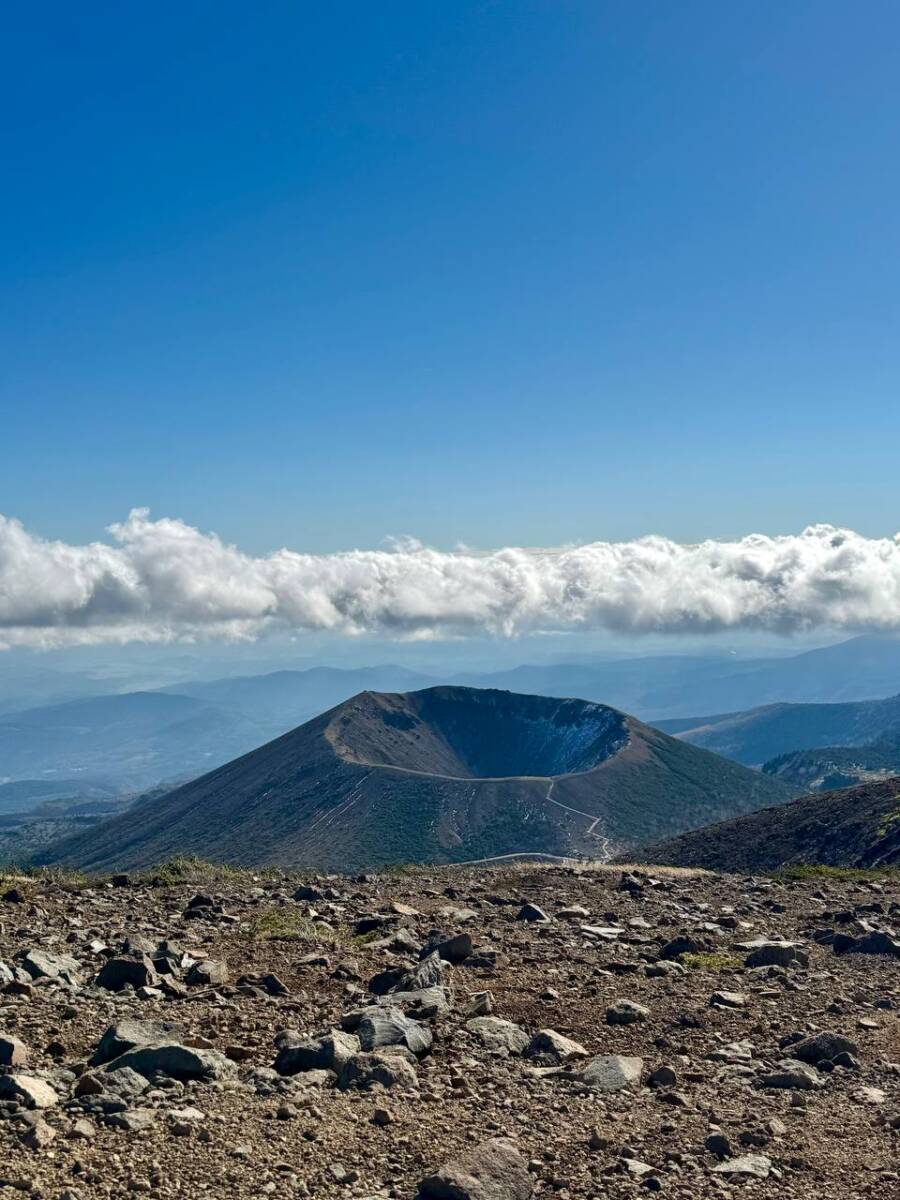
{"x":134,"y":740}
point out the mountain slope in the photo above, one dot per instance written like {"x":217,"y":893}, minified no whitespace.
{"x":853,"y":827}
{"x":445,"y":774}
{"x":761,"y":734}
{"x":828,"y":767}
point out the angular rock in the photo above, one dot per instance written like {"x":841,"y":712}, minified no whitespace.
{"x":39,"y":1135}
{"x":423,"y":1005}
{"x":767,"y":953}
{"x":452,"y":950}
{"x":125,"y":1083}
{"x":328,"y":1053}
{"x":611,"y":1072}
{"x":41,"y":965}
{"x":27,"y":1090}
{"x":679,"y":946}
{"x":129,"y":1033}
{"x":385,"y":1026}
{"x":875,"y":942}
{"x":822,"y":1046}
{"x":497,"y":1034}
{"x":531,"y":912}
{"x":119,"y":973}
{"x":386,"y":1070}
{"x":728,"y":1000}
{"x":626,"y":1012}
{"x":794,"y":1075}
{"x":758,"y":1165}
{"x":176,"y":1061}
{"x":13,"y":1053}
{"x":209,"y":972}
{"x":493,"y":1170}
{"x":550,"y":1048}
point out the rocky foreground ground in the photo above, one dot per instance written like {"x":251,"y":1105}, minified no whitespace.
{"x":450,"y":1033}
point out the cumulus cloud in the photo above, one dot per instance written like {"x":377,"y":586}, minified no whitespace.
{"x":162,"y":580}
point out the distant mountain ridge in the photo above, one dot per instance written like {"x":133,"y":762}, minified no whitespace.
{"x":440,"y":775}
{"x":761,"y":734}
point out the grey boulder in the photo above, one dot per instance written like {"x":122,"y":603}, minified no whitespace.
{"x":327,"y":1053}
{"x":176,"y":1061}
{"x":127,"y":1034}
{"x":493,"y":1170}
{"x":611,"y":1073}
{"x":386,"y":1026}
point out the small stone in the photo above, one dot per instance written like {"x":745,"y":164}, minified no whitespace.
{"x":728,"y":1000}
{"x":626,"y":1012}
{"x":13,"y":1053}
{"x":531,"y":912}
{"x":758,"y":1165}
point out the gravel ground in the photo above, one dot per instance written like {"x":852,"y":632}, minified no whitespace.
{"x":247,"y":1130}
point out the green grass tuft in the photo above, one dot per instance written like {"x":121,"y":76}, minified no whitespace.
{"x":288,"y":925}
{"x":187,"y":868}
{"x":801,"y":871}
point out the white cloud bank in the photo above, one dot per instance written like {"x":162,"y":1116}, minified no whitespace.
{"x":163,"y":580}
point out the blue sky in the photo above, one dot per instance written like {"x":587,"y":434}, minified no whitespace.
{"x":499,"y":273}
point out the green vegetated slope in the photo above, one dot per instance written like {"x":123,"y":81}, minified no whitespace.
{"x":852,"y":827}
{"x":830,"y":767}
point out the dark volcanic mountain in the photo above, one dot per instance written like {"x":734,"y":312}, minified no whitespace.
{"x":854,"y":827}
{"x":441,"y":775}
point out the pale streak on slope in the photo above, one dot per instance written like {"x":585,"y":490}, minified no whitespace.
{"x":328,"y":815}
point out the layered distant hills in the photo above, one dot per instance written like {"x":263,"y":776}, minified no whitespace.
{"x":439,"y":775}
{"x":852,"y":827}
{"x":815,"y":747}
{"x":137,"y":739}
{"x":828,"y":767}
{"x":756,"y":736}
